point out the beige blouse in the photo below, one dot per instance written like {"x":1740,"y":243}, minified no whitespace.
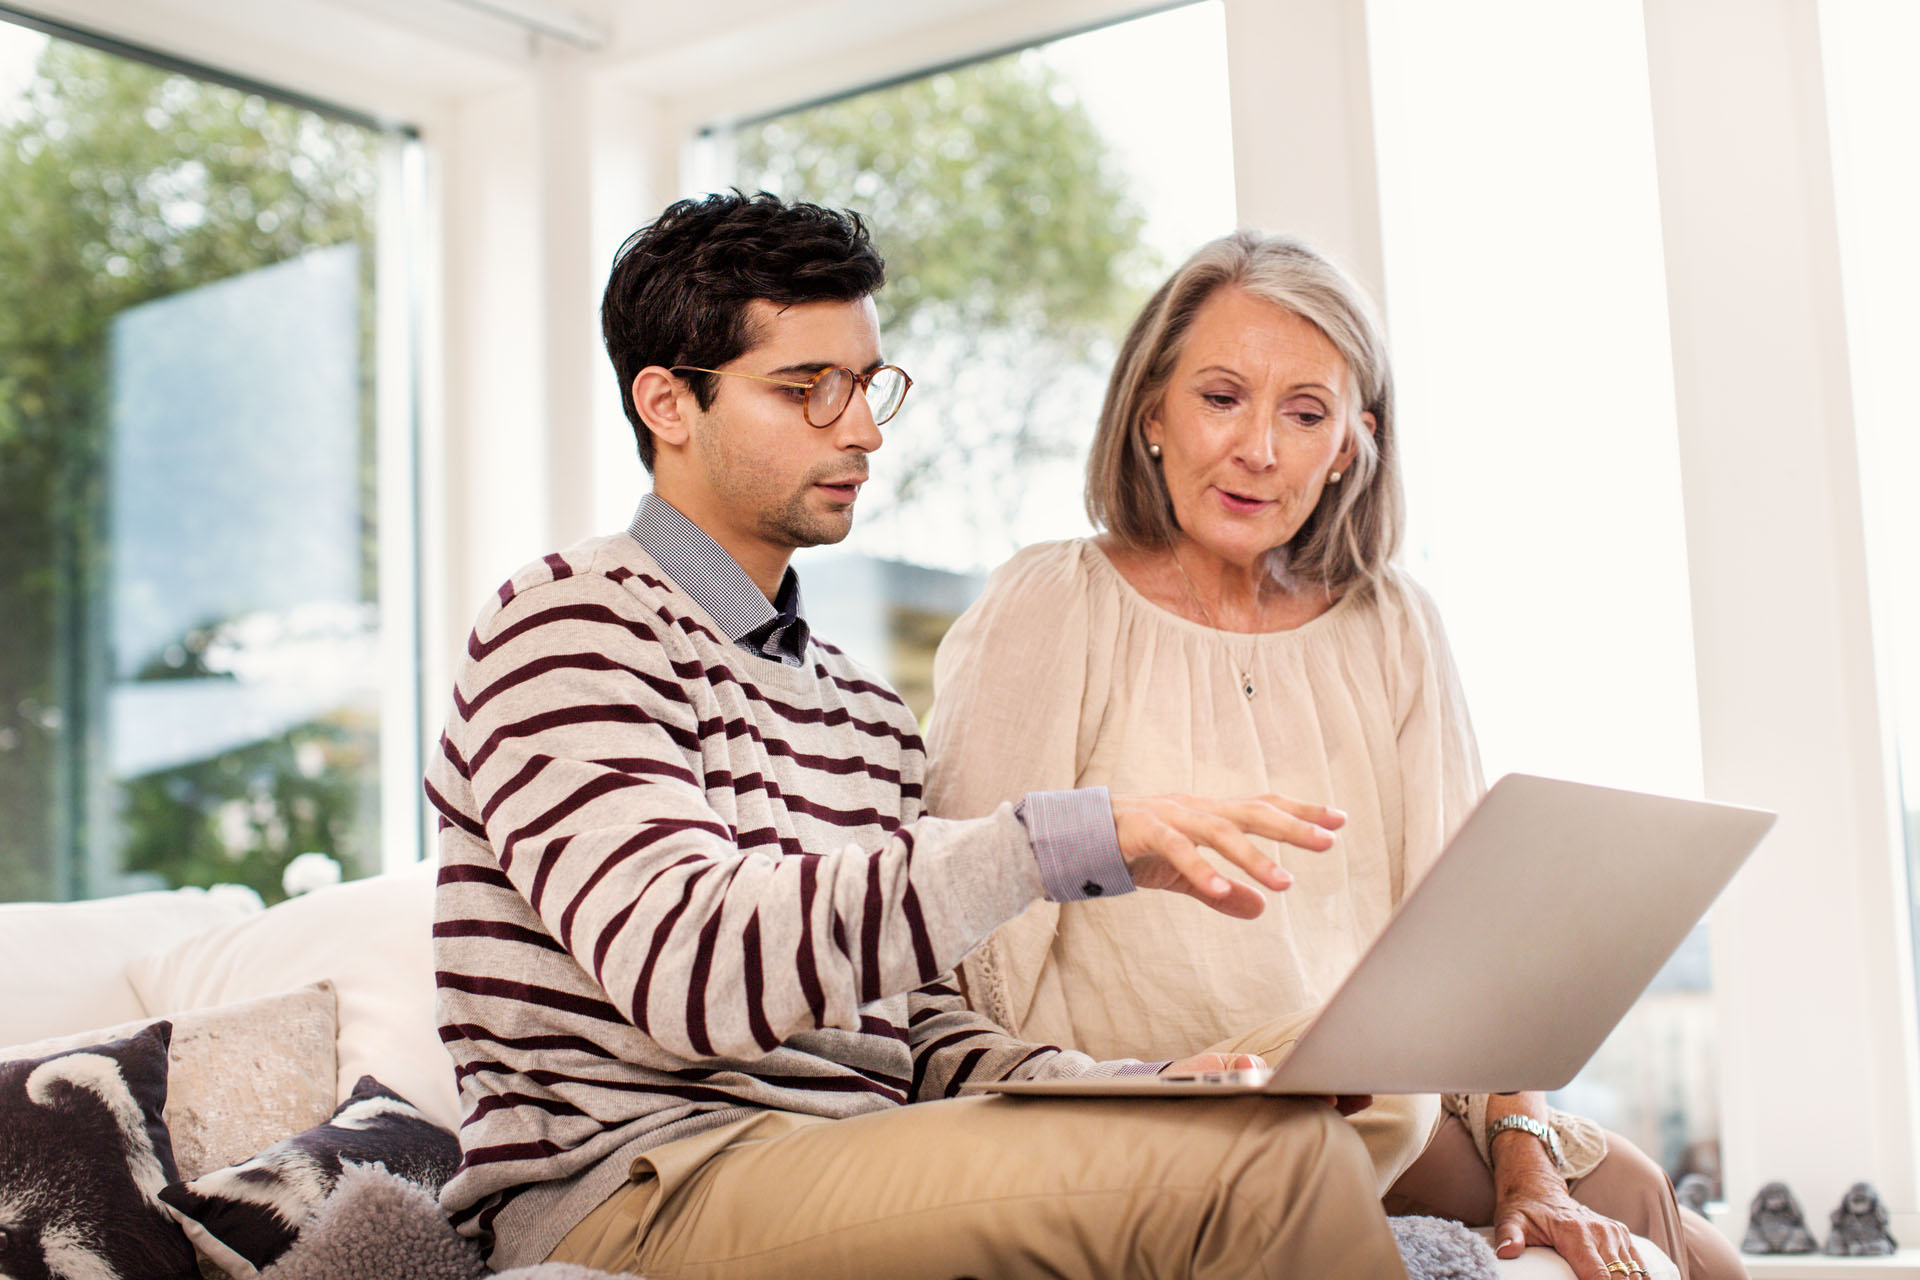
{"x":1063,"y":675}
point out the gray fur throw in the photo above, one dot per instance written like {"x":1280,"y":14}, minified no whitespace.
{"x":1437,"y":1249}
{"x":375,"y":1226}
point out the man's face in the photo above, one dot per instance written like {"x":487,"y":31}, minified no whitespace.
{"x":770,"y":479}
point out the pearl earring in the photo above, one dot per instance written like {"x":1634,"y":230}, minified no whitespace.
{"x":1333,"y":477}
{"x":1153,"y":450}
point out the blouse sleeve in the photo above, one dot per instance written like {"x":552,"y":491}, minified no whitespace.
{"x":1010,"y":692}
{"x":1009,"y":682}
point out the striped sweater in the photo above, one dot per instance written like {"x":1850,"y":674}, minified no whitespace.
{"x":680,"y":883}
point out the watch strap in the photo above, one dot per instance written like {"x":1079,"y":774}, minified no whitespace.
{"x":1539,"y":1129}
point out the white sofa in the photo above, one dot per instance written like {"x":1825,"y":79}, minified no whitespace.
{"x":74,"y":967}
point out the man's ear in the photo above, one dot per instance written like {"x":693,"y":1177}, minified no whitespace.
{"x":662,"y":401}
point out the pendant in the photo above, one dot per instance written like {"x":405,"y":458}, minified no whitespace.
{"x":1246,"y":684}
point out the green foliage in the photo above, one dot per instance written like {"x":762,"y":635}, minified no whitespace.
{"x":119,"y":183}
{"x":241,"y":816}
{"x":992,"y":195}
{"x":1014,"y":262}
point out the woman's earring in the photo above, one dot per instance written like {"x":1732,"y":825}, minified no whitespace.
{"x":1153,"y":450}
{"x":1333,"y":477}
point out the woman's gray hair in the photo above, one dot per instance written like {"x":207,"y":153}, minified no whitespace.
{"x":1348,"y":538}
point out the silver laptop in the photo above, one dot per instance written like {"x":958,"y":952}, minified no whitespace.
{"x":1537,"y":928}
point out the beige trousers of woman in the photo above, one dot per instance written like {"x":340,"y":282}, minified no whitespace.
{"x":1450,"y":1180}
{"x":1446,"y":1178}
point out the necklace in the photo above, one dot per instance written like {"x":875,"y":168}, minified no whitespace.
{"x":1253,"y":641}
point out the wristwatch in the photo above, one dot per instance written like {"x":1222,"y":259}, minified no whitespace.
{"x":1527,"y":1124}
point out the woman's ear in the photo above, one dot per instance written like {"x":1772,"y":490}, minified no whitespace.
{"x":1344,"y":461}
{"x":657,"y":398}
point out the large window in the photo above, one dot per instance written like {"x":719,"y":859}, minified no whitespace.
{"x":1026,"y":205}
{"x":1873,"y":106}
{"x":195,"y":664}
{"x":1527,"y":302}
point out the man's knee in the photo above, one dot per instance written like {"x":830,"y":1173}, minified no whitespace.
{"x":1307,"y":1189}
{"x":1306,"y":1144}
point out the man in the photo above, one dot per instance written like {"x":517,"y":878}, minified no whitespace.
{"x":694,"y":937}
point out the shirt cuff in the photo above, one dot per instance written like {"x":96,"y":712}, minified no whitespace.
{"x":1120,"y":1068}
{"x":1075,"y":844}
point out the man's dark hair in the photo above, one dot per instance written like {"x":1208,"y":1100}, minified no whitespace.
{"x":680,"y":286}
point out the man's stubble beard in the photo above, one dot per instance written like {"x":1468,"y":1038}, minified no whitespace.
{"x":796,"y":525}
{"x":791,"y":523}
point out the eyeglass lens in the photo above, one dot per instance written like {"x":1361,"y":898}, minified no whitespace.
{"x":830,"y":394}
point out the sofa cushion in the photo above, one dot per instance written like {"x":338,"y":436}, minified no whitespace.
{"x":65,"y":962}
{"x":243,"y":1218}
{"x":240,"y":1077}
{"x":83,"y":1156}
{"x":373,"y":939}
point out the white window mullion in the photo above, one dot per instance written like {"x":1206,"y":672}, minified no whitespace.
{"x":1812,"y":958}
{"x":1308,"y":170}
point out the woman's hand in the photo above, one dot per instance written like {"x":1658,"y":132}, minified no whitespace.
{"x":1160,"y":839}
{"x":1538,"y":1210}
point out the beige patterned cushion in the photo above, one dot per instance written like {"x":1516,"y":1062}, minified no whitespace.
{"x":240,"y":1077}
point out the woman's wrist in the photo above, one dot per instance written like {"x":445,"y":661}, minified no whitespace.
{"x":1527,"y":1128}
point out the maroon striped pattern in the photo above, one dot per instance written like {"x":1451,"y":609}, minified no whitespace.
{"x":679,"y":882}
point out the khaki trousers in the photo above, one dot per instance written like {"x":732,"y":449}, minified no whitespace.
{"x":1395,"y":1129}
{"x":1002,"y":1188}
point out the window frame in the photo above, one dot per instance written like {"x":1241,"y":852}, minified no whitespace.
{"x":399,"y":222}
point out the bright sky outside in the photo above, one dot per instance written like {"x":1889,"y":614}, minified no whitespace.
{"x":19,"y":48}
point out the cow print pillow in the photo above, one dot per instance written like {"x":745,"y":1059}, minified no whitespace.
{"x":243,"y":1217}
{"x":84,"y":1155}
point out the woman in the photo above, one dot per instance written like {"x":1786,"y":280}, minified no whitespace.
{"x":1237,"y":628}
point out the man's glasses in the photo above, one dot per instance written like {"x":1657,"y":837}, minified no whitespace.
{"x":828,"y":392}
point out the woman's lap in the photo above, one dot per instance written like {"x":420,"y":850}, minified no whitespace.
{"x":1450,"y":1180}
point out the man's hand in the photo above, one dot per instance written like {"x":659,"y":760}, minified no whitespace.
{"x":1201,"y":1064}
{"x":1160,"y":839}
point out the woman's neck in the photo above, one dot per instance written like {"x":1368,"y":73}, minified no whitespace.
{"x":1202,"y":587}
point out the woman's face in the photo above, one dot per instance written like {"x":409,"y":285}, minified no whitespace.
{"x":1251,"y":423}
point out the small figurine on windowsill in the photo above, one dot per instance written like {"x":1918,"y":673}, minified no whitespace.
{"x":1695,"y":1191}
{"x":1777,"y":1225}
{"x":1860,"y":1224}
